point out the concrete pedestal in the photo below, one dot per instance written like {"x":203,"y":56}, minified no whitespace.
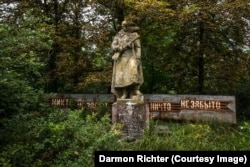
{"x":133,"y":115}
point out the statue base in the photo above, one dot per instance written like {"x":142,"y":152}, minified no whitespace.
{"x":133,"y":115}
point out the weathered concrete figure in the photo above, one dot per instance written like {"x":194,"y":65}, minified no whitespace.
{"x":127,"y":70}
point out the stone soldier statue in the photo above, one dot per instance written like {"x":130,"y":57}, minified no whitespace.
{"x":127,"y":70}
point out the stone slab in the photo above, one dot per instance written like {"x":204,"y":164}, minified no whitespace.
{"x":133,"y":116}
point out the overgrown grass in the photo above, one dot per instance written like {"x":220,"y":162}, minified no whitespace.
{"x":69,"y":138}
{"x":197,"y":136}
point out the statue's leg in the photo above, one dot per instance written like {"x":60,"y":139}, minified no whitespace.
{"x":124,"y":93}
{"x":137,"y":91}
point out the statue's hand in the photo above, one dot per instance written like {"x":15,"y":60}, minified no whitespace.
{"x":115,"y":56}
{"x":129,"y":45}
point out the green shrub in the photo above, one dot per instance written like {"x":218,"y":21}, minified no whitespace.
{"x":56,"y":138}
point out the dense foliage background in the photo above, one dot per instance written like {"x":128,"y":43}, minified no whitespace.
{"x":189,"y":46}
{"x":49,"y":46}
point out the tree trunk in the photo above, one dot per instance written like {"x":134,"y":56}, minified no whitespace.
{"x":201,"y":59}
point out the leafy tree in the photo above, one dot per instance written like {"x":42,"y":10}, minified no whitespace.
{"x":22,"y":53}
{"x":208,"y":46}
{"x":78,"y":42}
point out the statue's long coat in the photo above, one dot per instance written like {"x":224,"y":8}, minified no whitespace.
{"x":127,"y":69}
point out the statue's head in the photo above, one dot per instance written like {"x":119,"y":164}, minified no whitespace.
{"x":124,"y":24}
{"x":129,"y":26}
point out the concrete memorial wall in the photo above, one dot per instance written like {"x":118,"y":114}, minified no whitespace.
{"x":163,"y":106}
